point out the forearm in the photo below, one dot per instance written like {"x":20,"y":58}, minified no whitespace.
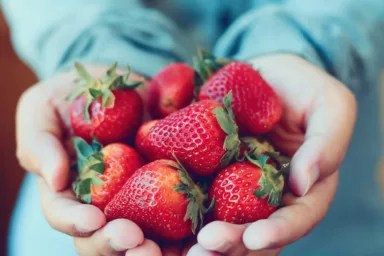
{"x":341,"y":36}
{"x":92,"y":32}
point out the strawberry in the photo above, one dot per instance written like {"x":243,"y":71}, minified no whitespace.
{"x":246,"y":191}
{"x":103,"y":171}
{"x":143,"y":131}
{"x":171,"y":89}
{"x":107,"y":109}
{"x":162,"y":199}
{"x":202,"y":135}
{"x":256,"y":106}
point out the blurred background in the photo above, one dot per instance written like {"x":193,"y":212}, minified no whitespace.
{"x":15,"y":77}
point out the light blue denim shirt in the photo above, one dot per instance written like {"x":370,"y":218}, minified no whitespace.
{"x":345,"y":37}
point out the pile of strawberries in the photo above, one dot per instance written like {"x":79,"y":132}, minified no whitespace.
{"x":203,"y":157}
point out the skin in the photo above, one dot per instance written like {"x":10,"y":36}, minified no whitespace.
{"x":318,"y":120}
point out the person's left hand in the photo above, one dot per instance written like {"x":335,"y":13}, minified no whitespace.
{"x":316,"y":126}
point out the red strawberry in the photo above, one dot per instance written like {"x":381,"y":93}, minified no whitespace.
{"x":162,"y":199}
{"x":143,"y":131}
{"x":103,"y":171}
{"x":106,"y":109}
{"x":203,"y":136}
{"x":256,"y":106}
{"x":246,"y":192}
{"x":171,"y":89}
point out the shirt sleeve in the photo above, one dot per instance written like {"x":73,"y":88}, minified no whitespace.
{"x":345,"y":37}
{"x":51,"y":35}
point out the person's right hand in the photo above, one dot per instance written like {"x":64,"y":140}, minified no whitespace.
{"x":42,"y":135}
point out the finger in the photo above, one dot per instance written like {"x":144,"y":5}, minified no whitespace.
{"x":294,"y":220}
{"x":222,"y":237}
{"x":113,"y":239}
{"x":65,"y":214}
{"x":38,"y":139}
{"x":148,"y":247}
{"x":329,"y":128}
{"x":198,"y":250}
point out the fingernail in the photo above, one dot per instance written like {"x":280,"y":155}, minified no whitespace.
{"x":309,"y":180}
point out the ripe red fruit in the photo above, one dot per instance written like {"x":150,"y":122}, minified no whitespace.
{"x":171,"y":89}
{"x":103,"y":171}
{"x":246,"y":192}
{"x":203,"y":136}
{"x":106,"y":109}
{"x":162,"y":199}
{"x":256,"y":106}
{"x":143,"y":131}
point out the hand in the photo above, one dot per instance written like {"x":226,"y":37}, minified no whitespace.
{"x":42,"y":133}
{"x":318,"y":121}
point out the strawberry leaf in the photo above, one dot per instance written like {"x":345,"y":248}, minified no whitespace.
{"x":90,"y":167}
{"x":256,"y":147}
{"x":226,"y":120}
{"x":97,"y":181}
{"x":76,"y":94}
{"x":223,"y":120}
{"x":83,"y":151}
{"x":86,"y":198}
{"x":96,"y":145}
{"x":87,"y":115}
{"x":93,"y":88}
{"x":95,"y":93}
{"x":195,"y":197}
{"x":82,"y":72}
{"x":271,"y":182}
{"x":111,"y":72}
{"x":84,"y":187}
{"x":98,"y":167}
{"x":108,"y":98}
{"x":206,"y":64}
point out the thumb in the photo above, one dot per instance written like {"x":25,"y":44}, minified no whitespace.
{"x":53,"y":161}
{"x":329,"y":129}
{"x":38,"y":134}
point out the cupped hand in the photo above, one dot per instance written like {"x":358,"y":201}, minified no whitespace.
{"x":43,"y":132}
{"x":315,"y":129}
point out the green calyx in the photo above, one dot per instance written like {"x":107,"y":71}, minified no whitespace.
{"x":271,"y":181}
{"x":206,"y":64}
{"x":226,"y":120}
{"x":94,"y":88}
{"x":273,"y":167}
{"x":257,"y":148}
{"x":196,"y":198}
{"x":90,"y":166}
